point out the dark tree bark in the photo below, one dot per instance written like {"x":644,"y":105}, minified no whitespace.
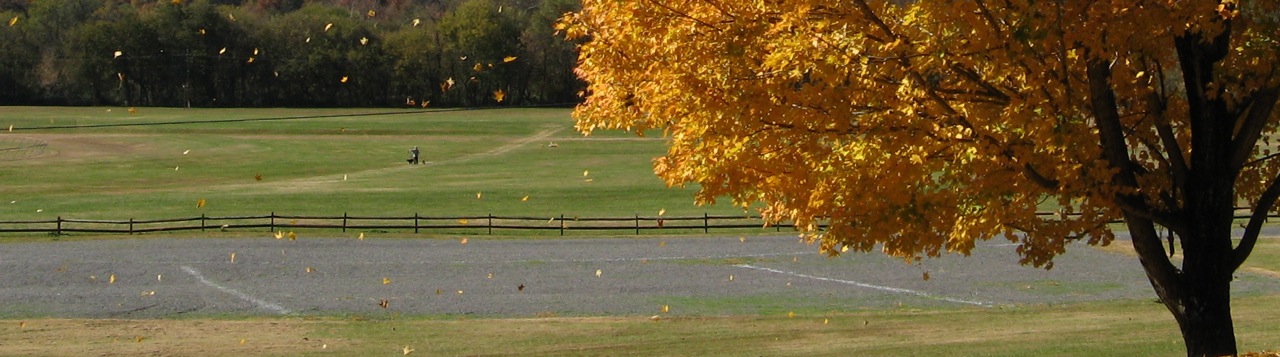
{"x":1197,"y":294}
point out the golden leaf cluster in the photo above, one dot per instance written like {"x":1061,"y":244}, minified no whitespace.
{"x":921,"y":128}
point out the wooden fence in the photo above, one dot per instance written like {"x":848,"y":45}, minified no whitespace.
{"x":416,"y":223}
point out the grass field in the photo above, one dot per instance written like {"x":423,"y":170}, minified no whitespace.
{"x":323,"y":162}
{"x":1123,"y":328}
{"x":335,"y":161}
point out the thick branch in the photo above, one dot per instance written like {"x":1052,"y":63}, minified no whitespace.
{"x":1103,"y":104}
{"x":1254,"y":228}
{"x":1255,"y":120}
{"x":1040,"y":179}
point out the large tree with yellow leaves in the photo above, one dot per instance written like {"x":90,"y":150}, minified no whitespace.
{"x":922,"y":127}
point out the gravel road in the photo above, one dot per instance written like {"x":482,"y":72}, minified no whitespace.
{"x":170,"y":277}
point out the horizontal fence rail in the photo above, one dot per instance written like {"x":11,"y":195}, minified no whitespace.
{"x":486,"y":224}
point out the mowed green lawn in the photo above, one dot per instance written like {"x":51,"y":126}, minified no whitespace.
{"x":324,"y":162}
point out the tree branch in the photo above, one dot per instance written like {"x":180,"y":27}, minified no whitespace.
{"x":1254,"y":228}
{"x":1040,"y":179}
{"x":1255,"y":119}
{"x":1146,"y":242}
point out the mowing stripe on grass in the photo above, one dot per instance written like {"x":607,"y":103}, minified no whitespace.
{"x":255,"y":301}
{"x":871,"y":286}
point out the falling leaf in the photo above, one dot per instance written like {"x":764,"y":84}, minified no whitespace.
{"x":309,"y":270}
{"x":438,"y":291}
{"x":231,"y":16}
{"x":742,"y":239}
{"x":343,"y":80}
{"x":186,"y":151}
{"x":655,"y":317}
{"x":242,"y":341}
{"x":371,"y":13}
{"x":508,"y":59}
{"x":459,"y":292}
{"x":478,"y":67}
{"x":133,"y":110}
{"x":425,"y":103}
{"x":10,"y":128}
{"x":662,"y":243}
{"x":462,"y":58}
{"x":462,"y":221}
{"x":730,"y":277}
{"x":112,"y":279}
{"x":149,"y":293}
{"x":233,"y":257}
{"x":791,"y":314}
{"x":520,"y":288}
{"x":490,"y":276}
{"x":250,"y":60}
{"x":200,"y":203}
{"x":666,"y":308}
{"x":364,"y":41}
{"x":138,"y":338}
{"x":344,"y":177}
{"x":416,"y":22}
{"x":292,"y":236}
{"x":159,"y":277}
{"x":384,"y":303}
{"x":478,"y":194}
{"x":255,"y":51}
{"x":257,"y":177}
{"x":361,"y":237}
{"x":386,"y":281}
{"x":585,"y":173}
{"x":13,"y":21}
{"x":499,"y":95}
{"x":407,"y":350}
{"x":825,"y":321}
{"x":926,"y":276}
{"x":118,"y":54}
{"x":463,"y":241}
{"x":22,"y":324}
{"x":598,"y":273}
{"x":202,"y":31}
{"x":279,"y":235}
{"x":662,"y":211}
{"x":327,"y":26}
{"x":525,"y":199}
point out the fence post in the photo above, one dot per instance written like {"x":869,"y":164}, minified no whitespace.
{"x":490,"y":223}
{"x":344,"y":222}
{"x":59,"y":230}
{"x":415,"y":223}
{"x":637,"y":224}
{"x":273,"y":221}
{"x":562,"y":224}
{"x":130,"y":226}
{"x":706,"y":223}
{"x":202,"y":223}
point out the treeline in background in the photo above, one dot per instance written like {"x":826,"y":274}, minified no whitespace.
{"x":242,"y":53}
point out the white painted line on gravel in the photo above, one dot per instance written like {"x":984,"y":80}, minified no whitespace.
{"x":255,"y":301}
{"x":870,"y":286}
